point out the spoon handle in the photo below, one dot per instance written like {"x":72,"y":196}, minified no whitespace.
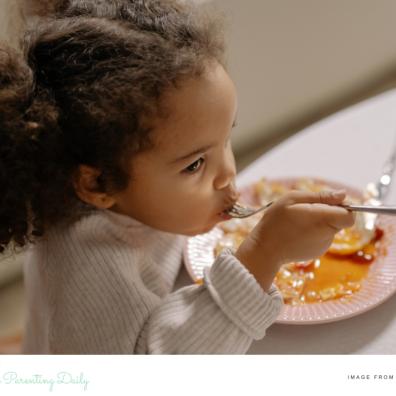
{"x":386,"y":210}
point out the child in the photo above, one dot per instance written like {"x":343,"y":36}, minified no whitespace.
{"x":115,"y":145}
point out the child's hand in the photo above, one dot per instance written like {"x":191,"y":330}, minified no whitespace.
{"x":299,"y":226}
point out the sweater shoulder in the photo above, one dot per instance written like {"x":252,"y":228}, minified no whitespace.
{"x":109,"y":241}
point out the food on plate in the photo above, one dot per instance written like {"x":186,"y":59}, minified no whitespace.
{"x":335,"y":275}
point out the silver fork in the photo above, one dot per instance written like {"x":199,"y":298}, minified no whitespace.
{"x":240,"y":211}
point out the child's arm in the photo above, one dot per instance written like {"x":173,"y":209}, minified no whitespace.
{"x":222,"y":316}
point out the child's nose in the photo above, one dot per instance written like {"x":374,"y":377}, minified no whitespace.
{"x":226,"y":175}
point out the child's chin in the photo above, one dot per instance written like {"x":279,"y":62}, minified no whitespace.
{"x":202,"y":230}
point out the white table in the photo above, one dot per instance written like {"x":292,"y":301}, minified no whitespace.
{"x":350,"y":147}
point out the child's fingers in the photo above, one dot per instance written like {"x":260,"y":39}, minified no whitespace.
{"x":336,"y":217}
{"x":325,"y":197}
{"x":323,"y":206}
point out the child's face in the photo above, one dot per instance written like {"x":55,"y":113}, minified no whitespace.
{"x":186,"y":180}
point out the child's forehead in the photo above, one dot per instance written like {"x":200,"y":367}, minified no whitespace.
{"x":172,"y":140}
{"x":196,"y":111}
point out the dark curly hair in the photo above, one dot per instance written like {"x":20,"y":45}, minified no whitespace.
{"x":83,"y":91}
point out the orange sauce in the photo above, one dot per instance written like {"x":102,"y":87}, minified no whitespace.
{"x":327,"y":278}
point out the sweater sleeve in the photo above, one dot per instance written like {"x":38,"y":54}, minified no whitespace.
{"x":221,"y":316}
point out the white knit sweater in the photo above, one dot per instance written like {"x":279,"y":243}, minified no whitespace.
{"x":104,"y":286}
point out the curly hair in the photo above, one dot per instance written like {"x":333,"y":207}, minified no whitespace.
{"x":83,"y":91}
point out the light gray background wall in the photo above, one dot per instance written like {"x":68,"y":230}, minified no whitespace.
{"x":11,"y":21}
{"x":292,"y":58}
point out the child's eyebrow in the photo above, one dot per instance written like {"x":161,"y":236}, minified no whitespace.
{"x":201,"y":149}
{"x":195,"y":152}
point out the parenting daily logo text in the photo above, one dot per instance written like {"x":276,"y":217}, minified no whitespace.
{"x":62,"y":378}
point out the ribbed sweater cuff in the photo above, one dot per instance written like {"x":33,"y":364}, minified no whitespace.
{"x":240,"y":297}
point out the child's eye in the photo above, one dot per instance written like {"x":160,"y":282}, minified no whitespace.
{"x":195,"y":166}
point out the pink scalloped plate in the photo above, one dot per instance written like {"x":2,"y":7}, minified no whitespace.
{"x":378,"y":286}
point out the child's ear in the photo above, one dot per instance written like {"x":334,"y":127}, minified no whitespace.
{"x":86,"y":187}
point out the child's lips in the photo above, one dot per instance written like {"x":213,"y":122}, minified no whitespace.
{"x":224,"y":213}
{"x":225,"y":216}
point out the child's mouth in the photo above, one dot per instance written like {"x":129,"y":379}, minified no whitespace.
{"x":224,"y":215}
